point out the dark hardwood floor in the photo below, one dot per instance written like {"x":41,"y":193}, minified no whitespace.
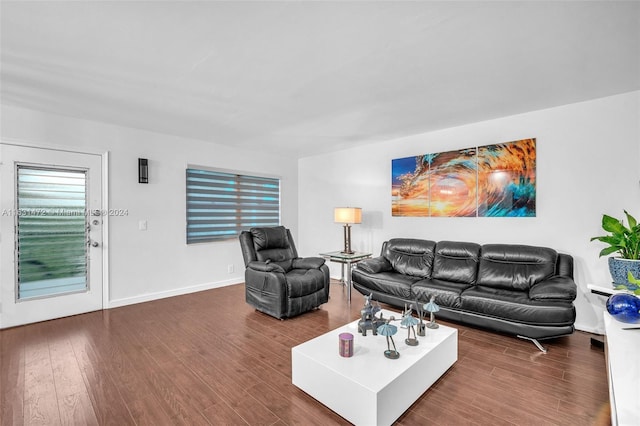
{"x":209,"y":358}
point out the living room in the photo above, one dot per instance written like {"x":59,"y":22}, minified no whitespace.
{"x":585,"y":120}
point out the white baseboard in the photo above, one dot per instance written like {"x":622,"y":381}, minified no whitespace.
{"x":116,"y":303}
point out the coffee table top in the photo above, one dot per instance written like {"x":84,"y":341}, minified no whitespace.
{"x":368,"y":366}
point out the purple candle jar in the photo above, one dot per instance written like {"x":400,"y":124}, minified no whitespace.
{"x":346,"y":345}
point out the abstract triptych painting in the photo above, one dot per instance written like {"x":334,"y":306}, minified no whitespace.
{"x":487,"y":181}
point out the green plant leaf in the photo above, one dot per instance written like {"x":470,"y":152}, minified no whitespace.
{"x":632,"y":279}
{"x":608,"y":250}
{"x":621,"y":239}
{"x":610,"y":239}
{"x":611,"y":224}
{"x":631,"y":220}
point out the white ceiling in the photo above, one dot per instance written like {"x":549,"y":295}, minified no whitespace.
{"x":303,"y":77}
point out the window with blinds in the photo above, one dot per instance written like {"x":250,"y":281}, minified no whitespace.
{"x":220,"y":205}
{"x":51,"y":231}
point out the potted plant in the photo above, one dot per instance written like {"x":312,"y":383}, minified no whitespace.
{"x":625,"y":241}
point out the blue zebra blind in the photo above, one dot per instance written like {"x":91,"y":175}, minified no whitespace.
{"x":220,"y":205}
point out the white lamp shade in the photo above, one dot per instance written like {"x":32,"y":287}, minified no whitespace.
{"x":347,"y":215}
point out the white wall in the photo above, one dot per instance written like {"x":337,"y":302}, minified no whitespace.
{"x":145,"y":265}
{"x":588,"y":157}
{"x":587,"y":165}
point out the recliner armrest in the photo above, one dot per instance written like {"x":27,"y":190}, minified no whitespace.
{"x":265,"y":266}
{"x":375,"y":265}
{"x":554,"y":288}
{"x":308,"y":262}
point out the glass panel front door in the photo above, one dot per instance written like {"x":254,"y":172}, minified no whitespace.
{"x":52,"y":231}
{"x":52,"y":226}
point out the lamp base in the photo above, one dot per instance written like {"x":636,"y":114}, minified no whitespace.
{"x":347,"y":240}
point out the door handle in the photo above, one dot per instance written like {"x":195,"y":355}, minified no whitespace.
{"x":93,"y":243}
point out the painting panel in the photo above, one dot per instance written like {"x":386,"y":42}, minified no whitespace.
{"x":453,"y":183}
{"x":410,"y":186}
{"x":507,"y":179}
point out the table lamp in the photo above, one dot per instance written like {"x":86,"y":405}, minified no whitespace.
{"x":348,"y":216}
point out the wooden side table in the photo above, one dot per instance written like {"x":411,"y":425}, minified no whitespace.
{"x":347,"y":259}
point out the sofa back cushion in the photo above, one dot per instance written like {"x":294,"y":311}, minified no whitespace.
{"x":456,"y":261}
{"x":274,"y":244}
{"x":410,"y":256}
{"x":515,"y":267}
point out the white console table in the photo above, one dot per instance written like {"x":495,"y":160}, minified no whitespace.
{"x":623,"y":352}
{"x":606,"y":291}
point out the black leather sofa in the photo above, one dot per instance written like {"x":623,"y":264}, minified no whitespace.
{"x":521,"y":290}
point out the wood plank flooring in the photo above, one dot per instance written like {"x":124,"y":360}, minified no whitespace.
{"x":209,"y":358}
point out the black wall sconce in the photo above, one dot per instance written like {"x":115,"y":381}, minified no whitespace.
{"x":143,"y":170}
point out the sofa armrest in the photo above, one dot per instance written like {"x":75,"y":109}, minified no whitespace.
{"x":375,"y":265}
{"x":308,"y":262}
{"x":265,"y":266}
{"x":554,"y":288}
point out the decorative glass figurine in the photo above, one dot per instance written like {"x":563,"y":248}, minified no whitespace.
{"x":624,"y":307}
{"x":410,"y":322}
{"x":432,"y":308}
{"x":421,"y":326}
{"x":388,"y":330}
{"x":368,"y":320}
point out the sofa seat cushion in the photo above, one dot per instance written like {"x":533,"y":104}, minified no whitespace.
{"x":302,"y":282}
{"x":446,"y":293}
{"x":391,"y":283}
{"x":514,"y":305}
{"x":555,"y":288}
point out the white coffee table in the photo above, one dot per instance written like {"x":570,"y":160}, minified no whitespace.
{"x":369,"y":389}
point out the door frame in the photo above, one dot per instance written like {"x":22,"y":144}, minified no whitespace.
{"x":104,"y":155}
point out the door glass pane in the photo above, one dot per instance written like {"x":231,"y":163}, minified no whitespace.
{"x":51,"y":231}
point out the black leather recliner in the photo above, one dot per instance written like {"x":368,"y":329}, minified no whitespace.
{"x":277,"y":281}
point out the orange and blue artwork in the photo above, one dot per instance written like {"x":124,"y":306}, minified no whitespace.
{"x":507,"y":179}
{"x":410,"y":186}
{"x":492,"y":180}
{"x":453,"y":183}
